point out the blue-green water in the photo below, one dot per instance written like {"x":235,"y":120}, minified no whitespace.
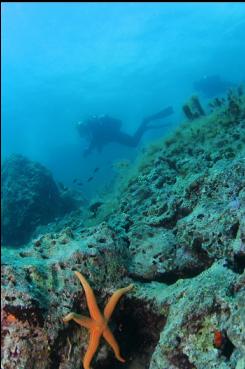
{"x":62,"y":62}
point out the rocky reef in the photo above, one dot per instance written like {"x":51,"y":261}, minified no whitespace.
{"x":29,"y":198}
{"x":175,"y":228}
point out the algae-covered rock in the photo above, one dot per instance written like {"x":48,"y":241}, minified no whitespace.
{"x":197,"y":309}
{"x":29,"y":197}
{"x":188,"y":191}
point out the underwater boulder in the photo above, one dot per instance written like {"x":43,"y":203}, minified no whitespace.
{"x":29,"y":197}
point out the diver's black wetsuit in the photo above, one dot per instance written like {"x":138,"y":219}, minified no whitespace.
{"x":103,"y":130}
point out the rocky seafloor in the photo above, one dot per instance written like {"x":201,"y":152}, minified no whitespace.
{"x":175,"y":228}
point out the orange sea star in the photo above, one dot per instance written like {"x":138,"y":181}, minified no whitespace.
{"x":98,"y":323}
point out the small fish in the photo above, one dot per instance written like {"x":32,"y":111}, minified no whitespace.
{"x":62,"y":187}
{"x":96,"y":169}
{"x":90,"y":179}
{"x":79,"y":183}
{"x":95,"y":206}
{"x":121,"y":164}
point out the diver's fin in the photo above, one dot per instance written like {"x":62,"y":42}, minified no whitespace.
{"x":160,"y":115}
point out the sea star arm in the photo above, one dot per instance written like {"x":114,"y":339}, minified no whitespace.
{"x":94,"y":340}
{"x":79,"y":319}
{"x":110,"y":306}
{"x":91,"y":301}
{"x":108,"y":336}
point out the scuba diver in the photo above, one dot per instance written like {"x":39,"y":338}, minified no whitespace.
{"x":101,"y":130}
{"x":212,"y":85}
